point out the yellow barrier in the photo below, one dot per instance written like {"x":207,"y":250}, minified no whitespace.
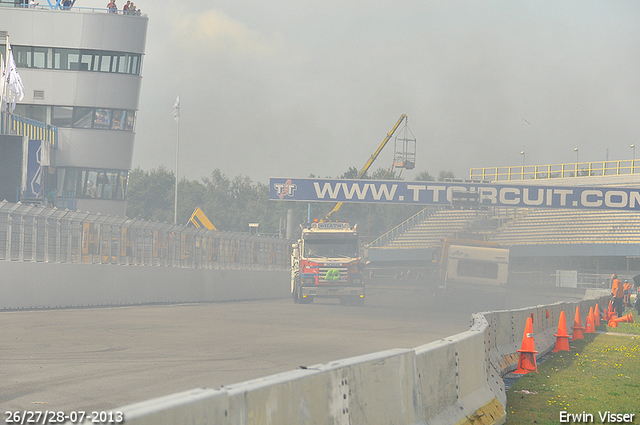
{"x":557,"y":171}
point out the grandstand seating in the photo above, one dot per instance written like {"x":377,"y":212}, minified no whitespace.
{"x":431,"y":231}
{"x":524,"y":227}
{"x":540,"y":226}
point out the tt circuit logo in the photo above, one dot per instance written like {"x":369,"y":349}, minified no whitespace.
{"x":285,"y":189}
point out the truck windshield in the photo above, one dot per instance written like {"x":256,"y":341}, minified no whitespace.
{"x":331,"y":248}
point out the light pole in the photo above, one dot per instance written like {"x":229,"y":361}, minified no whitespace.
{"x":577,"y":155}
{"x":176,"y":117}
{"x":523,"y":157}
{"x":633,"y":146}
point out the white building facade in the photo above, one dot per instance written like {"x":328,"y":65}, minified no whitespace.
{"x":82,"y":71}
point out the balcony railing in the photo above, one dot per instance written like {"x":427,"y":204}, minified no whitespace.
{"x":59,"y":5}
{"x":557,"y":171}
{"x":20,"y":126}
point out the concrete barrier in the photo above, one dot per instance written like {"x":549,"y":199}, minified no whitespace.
{"x":51,"y":285}
{"x":456,"y":380}
{"x":369,"y":389}
{"x":197,"y":406}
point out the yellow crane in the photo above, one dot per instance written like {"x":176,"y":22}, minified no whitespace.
{"x":370,"y":161}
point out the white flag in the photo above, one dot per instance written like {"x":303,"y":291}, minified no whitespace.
{"x":15,"y":87}
{"x":176,"y":109}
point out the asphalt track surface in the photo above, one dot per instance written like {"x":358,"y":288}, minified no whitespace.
{"x":102,"y":358}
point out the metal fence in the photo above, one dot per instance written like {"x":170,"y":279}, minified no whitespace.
{"x":37,"y":233}
{"x":557,"y":171}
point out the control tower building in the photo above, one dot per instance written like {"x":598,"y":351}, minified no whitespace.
{"x":82,"y":72}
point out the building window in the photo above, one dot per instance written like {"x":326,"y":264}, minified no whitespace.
{"x":102,"y":119}
{"x":41,"y":58}
{"x":86,"y":60}
{"x":131,"y":119}
{"x":86,"y":183}
{"x":75,"y":59}
{"x":79,"y":117}
{"x":105,"y":63}
{"x":82,"y":117}
{"x":35,"y":112}
{"x":118,"y":120}
{"x":21,"y":55}
{"x":62,"y":116}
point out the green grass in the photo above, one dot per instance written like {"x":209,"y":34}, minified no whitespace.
{"x":600,"y":373}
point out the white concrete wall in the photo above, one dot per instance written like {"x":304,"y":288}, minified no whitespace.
{"x":51,"y":285}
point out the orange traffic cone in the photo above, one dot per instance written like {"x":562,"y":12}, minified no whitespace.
{"x":577,"y":326}
{"x":590,"y":326}
{"x":562,"y":338}
{"x":596,"y":315}
{"x":605,"y":312}
{"x":610,"y":311}
{"x":527,"y":362}
{"x":624,"y":319}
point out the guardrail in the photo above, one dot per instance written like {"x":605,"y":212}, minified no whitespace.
{"x":409,"y":223}
{"x":557,"y":171}
{"x":457,"y":380}
{"x":41,"y":234}
{"x":59,"y":5}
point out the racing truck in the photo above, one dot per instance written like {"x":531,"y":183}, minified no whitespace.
{"x":326,"y":263}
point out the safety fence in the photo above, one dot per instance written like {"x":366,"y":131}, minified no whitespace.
{"x":36,"y":233}
{"x":456,"y":380}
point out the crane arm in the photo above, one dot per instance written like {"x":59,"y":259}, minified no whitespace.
{"x":370,"y":161}
{"x":374,"y":156}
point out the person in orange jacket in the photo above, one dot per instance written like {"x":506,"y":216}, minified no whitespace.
{"x":626,"y":289}
{"x":617,"y":292}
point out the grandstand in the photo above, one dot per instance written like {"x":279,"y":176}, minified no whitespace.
{"x":540,"y":240}
{"x":539,"y":227}
{"x":432,"y":230}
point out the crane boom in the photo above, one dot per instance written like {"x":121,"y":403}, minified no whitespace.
{"x":370,"y":161}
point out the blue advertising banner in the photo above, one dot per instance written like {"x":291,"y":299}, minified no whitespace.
{"x":443,"y":193}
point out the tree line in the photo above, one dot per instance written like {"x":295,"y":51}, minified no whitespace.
{"x":232,"y":203}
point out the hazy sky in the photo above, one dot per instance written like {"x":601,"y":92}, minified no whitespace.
{"x":289,"y":88}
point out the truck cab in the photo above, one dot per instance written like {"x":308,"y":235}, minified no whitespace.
{"x":326,"y":263}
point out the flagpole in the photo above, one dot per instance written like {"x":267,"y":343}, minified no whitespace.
{"x":175,"y":201}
